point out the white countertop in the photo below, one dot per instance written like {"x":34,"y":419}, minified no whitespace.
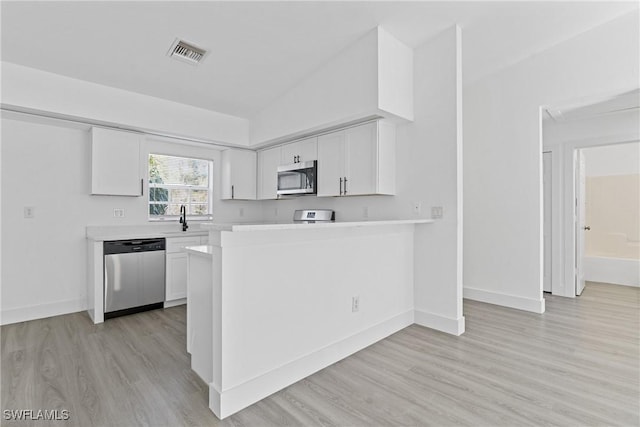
{"x":143,"y":231}
{"x":149,"y":231}
{"x":204,"y":250}
{"x":213,"y":226}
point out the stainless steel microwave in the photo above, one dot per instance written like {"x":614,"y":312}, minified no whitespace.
{"x":298,"y":179}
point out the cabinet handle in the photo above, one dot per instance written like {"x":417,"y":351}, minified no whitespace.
{"x":232,"y":192}
{"x":345,"y":185}
{"x":341,"y":186}
{"x":142,"y":186}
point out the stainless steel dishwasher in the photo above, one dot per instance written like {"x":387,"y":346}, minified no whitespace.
{"x":134,"y":276}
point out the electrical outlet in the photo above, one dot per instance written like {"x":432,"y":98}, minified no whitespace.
{"x":29,"y":211}
{"x":241,"y":212}
{"x":275,"y":212}
{"x":355,"y":304}
{"x":118,"y":213}
{"x":417,"y":208}
{"x":365,"y":212}
{"x":436,"y":212}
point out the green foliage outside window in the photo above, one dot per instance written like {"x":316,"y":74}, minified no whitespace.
{"x":176,"y":181}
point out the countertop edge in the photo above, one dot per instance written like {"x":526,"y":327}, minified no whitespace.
{"x":291,"y":226}
{"x":99,"y":237}
{"x":200,"y":250}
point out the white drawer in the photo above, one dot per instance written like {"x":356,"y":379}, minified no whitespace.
{"x":175,"y":244}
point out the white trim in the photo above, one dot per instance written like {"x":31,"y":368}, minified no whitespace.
{"x":232,"y":400}
{"x":41,"y":311}
{"x":175,"y":302}
{"x":562,"y":223}
{"x":619,"y":271}
{"x":526,"y":304}
{"x":439,"y":323}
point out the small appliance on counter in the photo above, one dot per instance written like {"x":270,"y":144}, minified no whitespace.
{"x":298,"y":179}
{"x":311,"y":216}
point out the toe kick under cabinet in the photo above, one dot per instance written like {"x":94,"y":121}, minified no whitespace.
{"x":176,"y":265}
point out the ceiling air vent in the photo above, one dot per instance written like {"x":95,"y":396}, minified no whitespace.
{"x":186,"y":52}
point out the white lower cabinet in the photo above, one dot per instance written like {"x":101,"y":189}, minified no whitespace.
{"x":176,"y":265}
{"x":176,"y":276}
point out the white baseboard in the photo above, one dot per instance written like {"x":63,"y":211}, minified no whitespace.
{"x":619,"y":271}
{"x":526,"y":304}
{"x":232,"y":400}
{"x":439,"y":323}
{"x":23,"y":314}
{"x":175,"y":302}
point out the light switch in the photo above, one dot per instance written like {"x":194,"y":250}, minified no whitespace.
{"x":417,"y":208}
{"x":436,"y":212}
{"x":29,"y":212}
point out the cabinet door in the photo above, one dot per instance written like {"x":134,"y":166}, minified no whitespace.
{"x":330,"y":163}
{"x":288,"y":153}
{"x":308,"y":149}
{"x":361,"y":160}
{"x":115,"y":163}
{"x":305,"y":150}
{"x":176,"y":280}
{"x":268,"y":162}
{"x":238,"y":175}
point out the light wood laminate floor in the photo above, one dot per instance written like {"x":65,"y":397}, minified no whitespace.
{"x":577,"y":364}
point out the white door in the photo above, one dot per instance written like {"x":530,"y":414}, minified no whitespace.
{"x":546,"y":190}
{"x":580,"y":216}
{"x":361,"y":159}
{"x":330,"y":164}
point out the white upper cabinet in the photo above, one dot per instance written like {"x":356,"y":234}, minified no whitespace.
{"x":238,"y":174}
{"x":300,"y":151}
{"x":268,"y":162}
{"x":331,"y":167}
{"x":115,"y":162}
{"x":357,"y":161}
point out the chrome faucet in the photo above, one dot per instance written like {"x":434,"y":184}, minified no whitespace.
{"x":183,"y":218}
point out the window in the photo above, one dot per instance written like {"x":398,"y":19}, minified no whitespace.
{"x":176,"y":181}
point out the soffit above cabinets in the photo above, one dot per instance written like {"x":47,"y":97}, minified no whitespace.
{"x":259,"y":50}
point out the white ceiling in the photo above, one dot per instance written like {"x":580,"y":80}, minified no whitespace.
{"x":261,"y":49}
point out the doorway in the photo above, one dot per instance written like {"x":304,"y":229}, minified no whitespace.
{"x":567,"y":134}
{"x":608,"y":215}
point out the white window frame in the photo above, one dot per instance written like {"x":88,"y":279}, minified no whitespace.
{"x":190,"y":217}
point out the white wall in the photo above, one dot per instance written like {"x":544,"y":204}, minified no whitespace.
{"x":618,"y":159}
{"x":47,"y":166}
{"x":372,"y":77}
{"x":428,"y":156}
{"x":429,"y":173}
{"x":345,"y":87}
{"x":503,"y":155}
{"x":35,"y":90}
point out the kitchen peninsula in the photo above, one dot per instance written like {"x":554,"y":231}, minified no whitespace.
{"x":269,"y":304}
